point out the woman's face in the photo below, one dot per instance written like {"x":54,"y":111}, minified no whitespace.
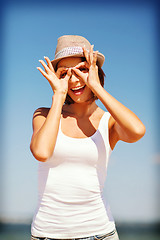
{"x":77,"y":89}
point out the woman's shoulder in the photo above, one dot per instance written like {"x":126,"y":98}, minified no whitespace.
{"x":106,"y":116}
{"x":100,"y":112}
{"x":41,"y":111}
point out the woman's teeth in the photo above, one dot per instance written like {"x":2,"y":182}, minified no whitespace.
{"x":77,"y":88}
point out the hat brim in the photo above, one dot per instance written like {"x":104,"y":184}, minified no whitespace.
{"x":100,"y":59}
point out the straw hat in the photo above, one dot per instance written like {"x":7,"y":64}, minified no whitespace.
{"x":71,"y":46}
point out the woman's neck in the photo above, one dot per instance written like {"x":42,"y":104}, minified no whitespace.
{"x":80,"y":110}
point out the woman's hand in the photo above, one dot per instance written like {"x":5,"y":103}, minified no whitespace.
{"x":90,"y":77}
{"x":59,"y":85}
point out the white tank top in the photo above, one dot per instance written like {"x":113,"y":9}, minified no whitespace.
{"x":70,"y":197}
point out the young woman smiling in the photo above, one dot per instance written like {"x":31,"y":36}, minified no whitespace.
{"x":73,"y":141}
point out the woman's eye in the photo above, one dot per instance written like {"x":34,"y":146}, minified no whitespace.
{"x":63,"y":75}
{"x":83,"y":69}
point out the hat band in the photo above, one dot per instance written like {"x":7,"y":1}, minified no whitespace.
{"x":68,"y":51}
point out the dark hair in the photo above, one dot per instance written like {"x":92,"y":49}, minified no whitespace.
{"x":101,"y":75}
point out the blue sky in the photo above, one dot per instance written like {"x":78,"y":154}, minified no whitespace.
{"x":126,"y":35}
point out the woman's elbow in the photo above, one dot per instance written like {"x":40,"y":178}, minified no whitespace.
{"x":140,"y":132}
{"x":38,"y":154}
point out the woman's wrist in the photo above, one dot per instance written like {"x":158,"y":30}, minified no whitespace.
{"x":95,"y":86}
{"x":60,"y":96}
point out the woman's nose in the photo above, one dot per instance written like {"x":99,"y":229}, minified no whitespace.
{"x":73,"y":77}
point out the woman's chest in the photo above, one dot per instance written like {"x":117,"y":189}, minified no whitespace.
{"x":79,"y":127}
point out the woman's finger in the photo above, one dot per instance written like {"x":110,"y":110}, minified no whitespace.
{"x":68,"y":75}
{"x":95,"y":58}
{"x":79,"y":73}
{"x":43,"y":73}
{"x":49,"y":64}
{"x":44,"y":65}
{"x":86,"y":54}
{"x":86,"y":64}
{"x":91,"y":54}
{"x":82,"y":64}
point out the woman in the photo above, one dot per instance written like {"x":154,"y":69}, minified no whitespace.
{"x":73,"y":141}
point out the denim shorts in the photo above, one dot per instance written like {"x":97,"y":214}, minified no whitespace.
{"x":109,"y":236}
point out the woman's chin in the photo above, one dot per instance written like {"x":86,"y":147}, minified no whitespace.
{"x":80,"y":99}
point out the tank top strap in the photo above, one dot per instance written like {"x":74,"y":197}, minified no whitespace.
{"x":103,"y":128}
{"x":104,"y":121}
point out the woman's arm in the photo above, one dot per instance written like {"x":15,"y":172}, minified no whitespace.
{"x":46,"y":123}
{"x":45,"y":129}
{"x":124,"y":124}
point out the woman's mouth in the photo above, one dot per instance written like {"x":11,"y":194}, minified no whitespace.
{"x":78,"y":90}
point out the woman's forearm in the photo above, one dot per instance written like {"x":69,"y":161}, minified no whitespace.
{"x":43,"y":143}
{"x":130,"y":124}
